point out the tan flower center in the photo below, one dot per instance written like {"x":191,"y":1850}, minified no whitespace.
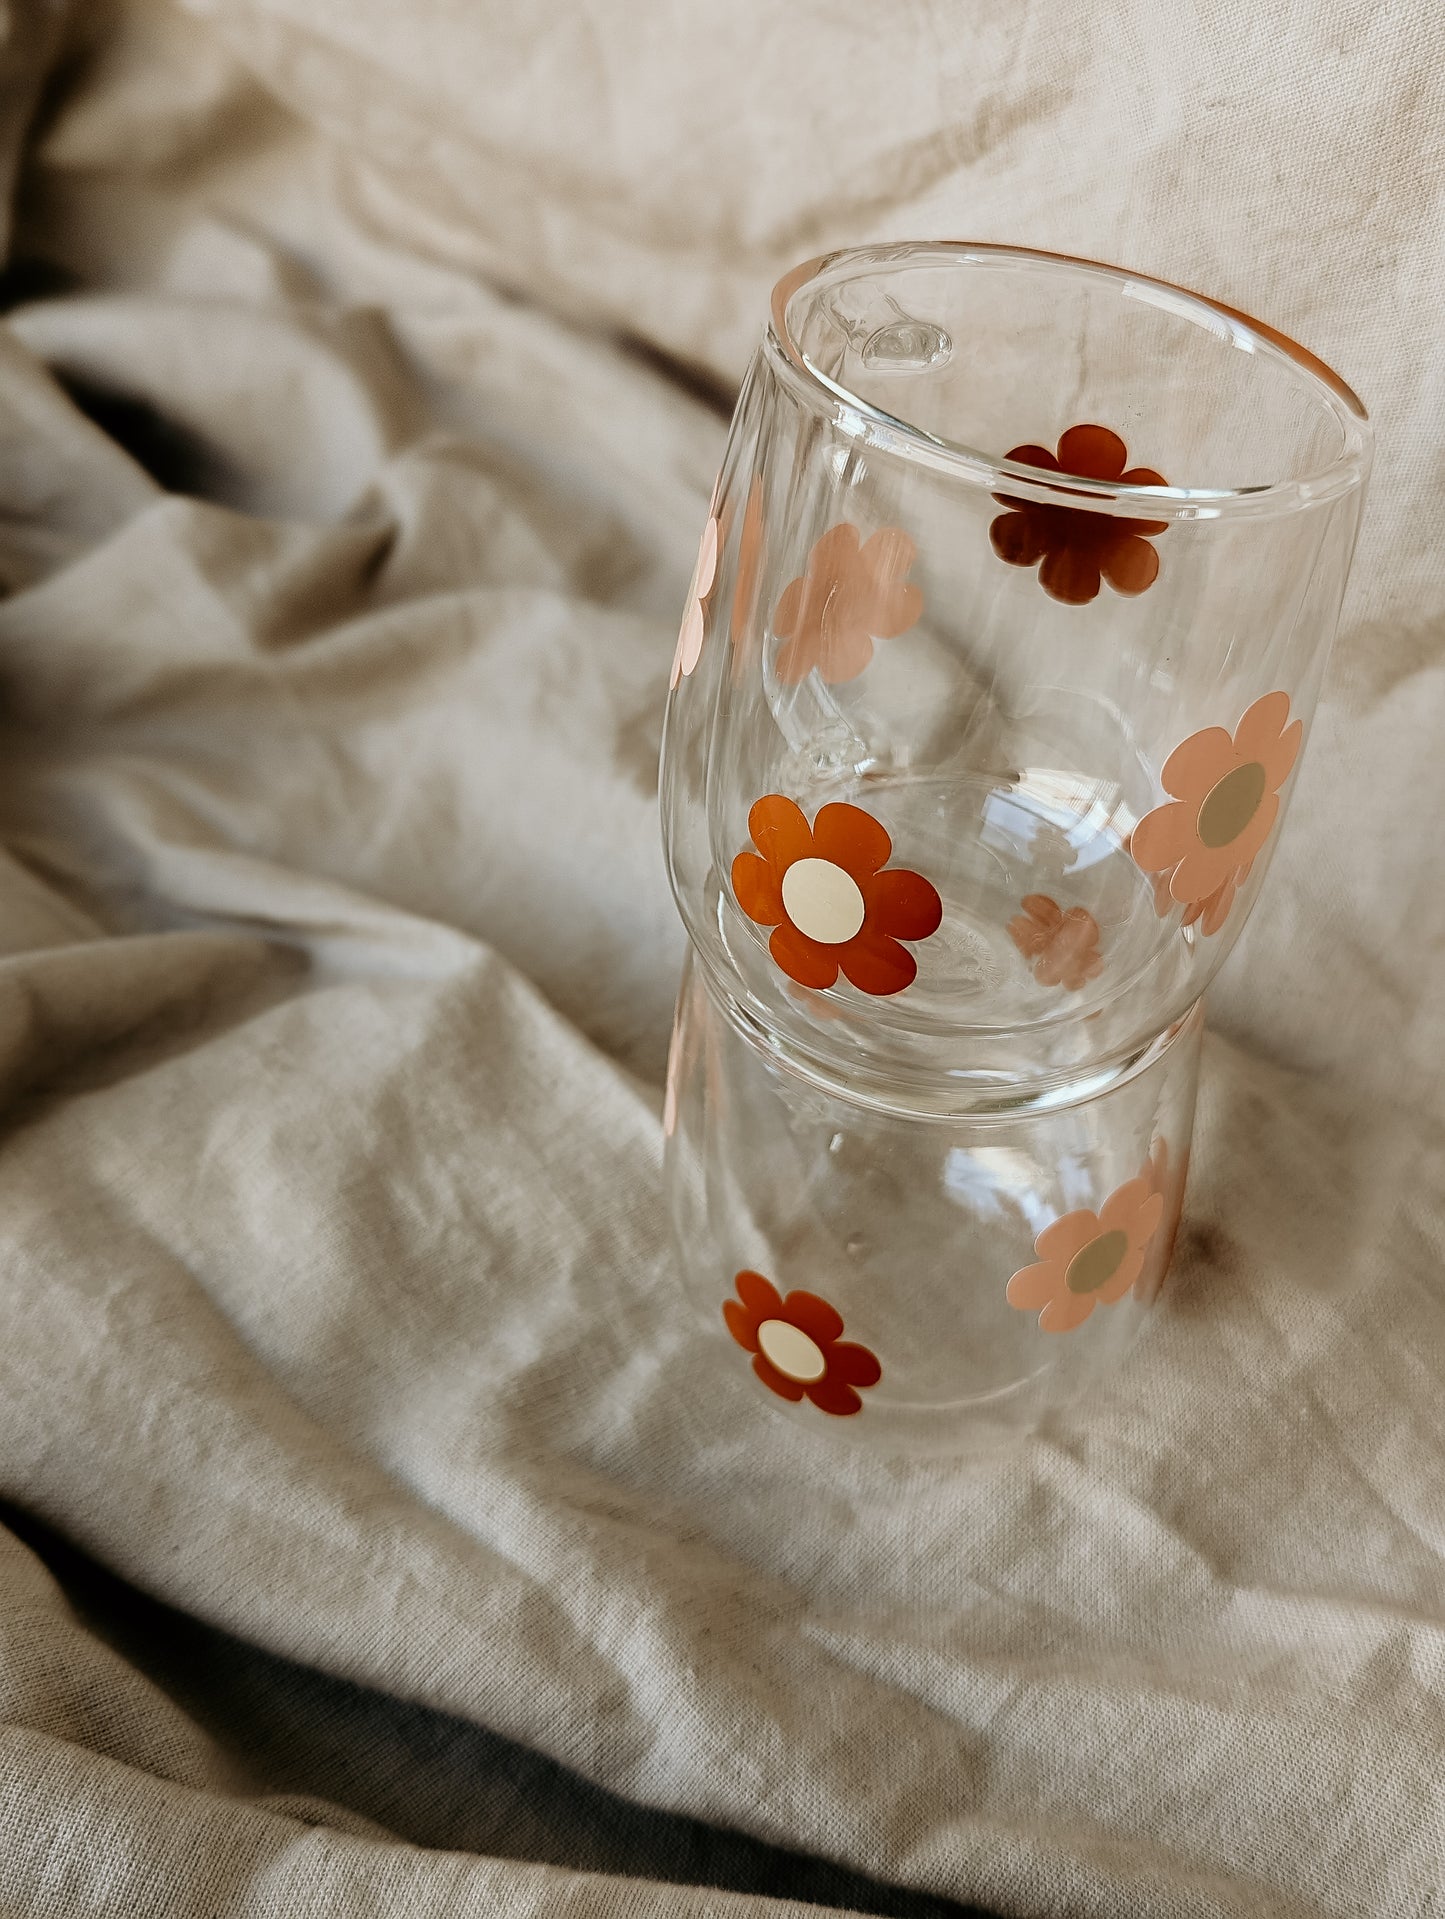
{"x":789,"y":1349}
{"x":1231,"y":804}
{"x":1095,"y":1265}
{"x":822,"y":901}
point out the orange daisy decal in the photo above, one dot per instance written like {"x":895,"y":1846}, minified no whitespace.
{"x":797,"y":1347}
{"x":1075,"y":549}
{"x":1088,"y":1259}
{"x":704,"y":573}
{"x":853,"y":593}
{"x":832,"y":907}
{"x":1166,"y":1176}
{"x":1225,"y":789}
{"x":1063,"y":946}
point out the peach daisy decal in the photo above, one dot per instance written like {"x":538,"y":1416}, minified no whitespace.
{"x":851,"y":595}
{"x":1062,"y":946}
{"x":1073,"y":548}
{"x":749,"y":576}
{"x":832,"y":907}
{"x":796,"y":1346}
{"x":1166,"y":1175}
{"x":1225,"y":802}
{"x":704,"y":573}
{"x":1088,"y":1259}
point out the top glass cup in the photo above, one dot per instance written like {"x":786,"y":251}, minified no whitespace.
{"x":1008,"y":623}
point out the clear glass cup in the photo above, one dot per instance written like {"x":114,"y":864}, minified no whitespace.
{"x":853,"y":1258}
{"x":1009,"y":619}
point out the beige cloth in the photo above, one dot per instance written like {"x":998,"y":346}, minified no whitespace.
{"x":338,"y":959}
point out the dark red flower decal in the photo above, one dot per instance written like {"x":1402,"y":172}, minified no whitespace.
{"x":1073,"y":548}
{"x":796,"y":1348}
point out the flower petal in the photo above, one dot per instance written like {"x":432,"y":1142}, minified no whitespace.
{"x":759,"y":1295}
{"x":886,"y":556}
{"x":1063,"y":1313}
{"x":1021,"y":538}
{"x":1146,"y":1220}
{"x":852,"y":839}
{"x":779,"y":831}
{"x":775,"y":1381}
{"x":1281,"y":757}
{"x":1031,"y":455}
{"x":903,"y":904}
{"x":689,"y":639}
{"x":789,"y":606}
{"x":834,"y":1396}
{"x":1144,"y":476}
{"x":899,"y":611}
{"x":1123,"y":1203}
{"x":1213,"y":912}
{"x":847,"y":647}
{"x":750,"y":552}
{"x":1070,"y":574}
{"x":1198,"y":763}
{"x":854,"y":1363}
{"x":802,"y":959}
{"x":1201,"y":872}
{"x":1034,"y":1286}
{"x":757,"y":889}
{"x":705,"y":572}
{"x":877,"y":964}
{"x":1093,"y":452}
{"x":1129,"y":564}
{"x":796,"y":659}
{"x":1163,"y":837}
{"x":1028,"y":934}
{"x":1067,"y":1235}
{"x":741,"y":1325}
{"x":820,"y":1321}
{"x":1261,"y":727}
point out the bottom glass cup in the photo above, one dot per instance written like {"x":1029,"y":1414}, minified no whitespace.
{"x":923,"y":1278}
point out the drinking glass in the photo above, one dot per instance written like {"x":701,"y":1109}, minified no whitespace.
{"x":1007,"y":625}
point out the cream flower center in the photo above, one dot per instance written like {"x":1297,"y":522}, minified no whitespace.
{"x":1095,"y":1265}
{"x":1231,"y":803}
{"x":789,"y":1349}
{"x":822,"y":901}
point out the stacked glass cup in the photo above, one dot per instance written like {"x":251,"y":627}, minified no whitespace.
{"x":1008,"y":622}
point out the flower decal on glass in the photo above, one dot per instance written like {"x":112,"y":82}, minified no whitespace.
{"x":1063,"y":946}
{"x":690,"y":634}
{"x":851,"y":595}
{"x":1088,"y":1259}
{"x":1073,"y":548}
{"x":832,"y":907}
{"x":1166,"y":1174}
{"x":749,"y":576}
{"x":796,"y":1346}
{"x":1203,"y":842}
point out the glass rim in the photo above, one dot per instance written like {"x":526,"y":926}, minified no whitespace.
{"x":866,"y":420}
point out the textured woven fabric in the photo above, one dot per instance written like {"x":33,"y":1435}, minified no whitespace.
{"x":343,"y":541}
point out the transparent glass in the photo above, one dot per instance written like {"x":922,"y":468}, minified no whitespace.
{"x":937,"y":1259}
{"x":1007,"y":627}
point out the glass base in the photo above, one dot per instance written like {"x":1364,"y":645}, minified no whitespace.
{"x":917,"y":1280}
